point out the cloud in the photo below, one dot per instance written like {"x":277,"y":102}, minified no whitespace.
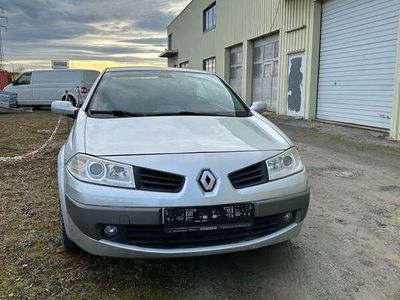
{"x":155,"y":21}
{"x":146,"y":41}
{"x":134,"y":30}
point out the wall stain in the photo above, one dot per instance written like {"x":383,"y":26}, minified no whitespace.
{"x":295,"y":80}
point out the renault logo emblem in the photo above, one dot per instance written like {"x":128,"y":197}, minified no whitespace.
{"x":207,"y":180}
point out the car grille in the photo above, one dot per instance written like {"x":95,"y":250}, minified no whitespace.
{"x":158,"y":181}
{"x":249,"y":176}
{"x":154,"y":236}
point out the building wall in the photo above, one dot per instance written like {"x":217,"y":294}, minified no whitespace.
{"x":240,"y":22}
{"x":298,"y":23}
{"x":300,"y":32}
{"x":234,"y":25}
{"x":4,"y":80}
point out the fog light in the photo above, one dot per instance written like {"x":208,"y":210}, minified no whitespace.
{"x":288,"y":217}
{"x":110,"y":230}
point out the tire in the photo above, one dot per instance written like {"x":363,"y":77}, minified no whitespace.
{"x":69,"y":246}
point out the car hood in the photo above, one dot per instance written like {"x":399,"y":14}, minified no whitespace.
{"x":180,"y":134}
{"x":7,"y":87}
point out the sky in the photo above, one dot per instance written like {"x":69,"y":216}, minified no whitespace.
{"x":91,"y":34}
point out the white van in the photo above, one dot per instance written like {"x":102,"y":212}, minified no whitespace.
{"x":37,"y":88}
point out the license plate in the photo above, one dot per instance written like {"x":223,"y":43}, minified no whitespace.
{"x":208,"y":218}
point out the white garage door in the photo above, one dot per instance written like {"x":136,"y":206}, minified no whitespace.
{"x":266,"y":71}
{"x":357,"y":63}
{"x":235,"y":68}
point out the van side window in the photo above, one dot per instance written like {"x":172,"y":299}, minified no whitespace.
{"x":24,"y":79}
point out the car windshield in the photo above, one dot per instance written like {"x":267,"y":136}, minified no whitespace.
{"x":164,"y":93}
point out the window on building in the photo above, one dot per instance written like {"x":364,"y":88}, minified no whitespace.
{"x":210,"y":17}
{"x":170,"y":41}
{"x":209,"y":64}
{"x":184,"y":65}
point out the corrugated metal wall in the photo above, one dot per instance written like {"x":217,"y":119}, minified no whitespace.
{"x":298,"y":23}
{"x":296,"y":16}
{"x":239,"y":22}
{"x":295,"y":35}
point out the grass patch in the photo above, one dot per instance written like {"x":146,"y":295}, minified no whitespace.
{"x":32,"y":261}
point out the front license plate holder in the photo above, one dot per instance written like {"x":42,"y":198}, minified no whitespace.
{"x":208,"y":218}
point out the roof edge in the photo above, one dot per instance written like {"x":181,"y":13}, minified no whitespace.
{"x":186,"y":7}
{"x":178,"y":70}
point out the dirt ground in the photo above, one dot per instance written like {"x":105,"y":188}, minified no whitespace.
{"x":349,"y":247}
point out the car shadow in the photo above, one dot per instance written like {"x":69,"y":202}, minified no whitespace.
{"x":272,"y":270}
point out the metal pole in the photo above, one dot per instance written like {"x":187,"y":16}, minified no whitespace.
{"x":1,"y":51}
{"x":1,"y":39}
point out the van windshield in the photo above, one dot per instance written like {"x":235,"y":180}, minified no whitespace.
{"x":164,"y":93}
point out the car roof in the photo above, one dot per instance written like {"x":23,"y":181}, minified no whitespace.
{"x":61,"y":70}
{"x":181,"y":70}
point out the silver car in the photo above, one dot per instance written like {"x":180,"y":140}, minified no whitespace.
{"x":172,"y":163}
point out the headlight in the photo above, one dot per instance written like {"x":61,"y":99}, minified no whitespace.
{"x":284,"y":165}
{"x":100,"y":171}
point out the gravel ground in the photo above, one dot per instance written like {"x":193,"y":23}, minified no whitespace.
{"x":349,"y":247}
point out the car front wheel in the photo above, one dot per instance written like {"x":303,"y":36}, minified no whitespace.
{"x":68,"y":245}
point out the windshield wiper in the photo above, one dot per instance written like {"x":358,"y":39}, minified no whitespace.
{"x":122,"y":114}
{"x":190,"y":113}
{"x":116,"y":113}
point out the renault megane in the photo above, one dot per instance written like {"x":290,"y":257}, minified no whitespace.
{"x":168,"y":163}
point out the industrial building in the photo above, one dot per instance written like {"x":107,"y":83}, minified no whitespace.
{"x":334,"y":60}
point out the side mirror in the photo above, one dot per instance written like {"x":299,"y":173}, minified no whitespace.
{"x":64,"y":108}
{"x":14,"y":82}
{"x":259,"y":107}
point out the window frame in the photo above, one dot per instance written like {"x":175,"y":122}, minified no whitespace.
{"x":169,"y":41}
{"x":212,"y":58}
{"x":210,"y":17}
{"x":263,"y":60}
{"x":235,"y":65}
{"x":16,"y":82}
{"x":184,"y":65}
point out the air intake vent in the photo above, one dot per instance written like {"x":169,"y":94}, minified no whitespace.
{"x":250,"y":176}
{"x":158,"y":181}
{"x":154,"y":236}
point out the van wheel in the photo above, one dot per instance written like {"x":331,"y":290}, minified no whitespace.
{"x":69,"y":246}
{"x":70,"y":99}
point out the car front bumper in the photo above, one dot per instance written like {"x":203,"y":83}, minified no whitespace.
{"x":83,"y":228}
{"x":86,"y":207}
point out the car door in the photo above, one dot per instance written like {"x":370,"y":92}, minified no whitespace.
{"x":22,"y":87}
{"x":44,"y":84}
